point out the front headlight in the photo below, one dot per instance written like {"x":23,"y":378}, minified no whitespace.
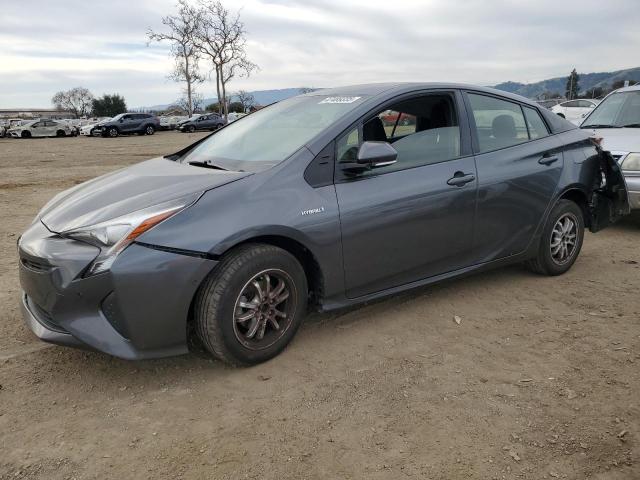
{"x":631,"y":162}
{"x":113,"y":236}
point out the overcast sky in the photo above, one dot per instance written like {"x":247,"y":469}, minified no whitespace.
{"x":50,"y":45}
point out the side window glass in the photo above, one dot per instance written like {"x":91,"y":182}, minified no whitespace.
{"x":537,"y":127}
{"x":347,"y":146}
{"x":499,"y":123}
{"x":425,"y":131}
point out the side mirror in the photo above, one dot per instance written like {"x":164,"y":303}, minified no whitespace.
{"x":121,"y":120}
{"x":372,"y":155}
{"x":377,"y":154}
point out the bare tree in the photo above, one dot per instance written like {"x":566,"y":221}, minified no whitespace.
{"x":197,"y":102}
{"x":221,"y":37}
{"x":78,"y":100}
{"x":182,"y":28}
{"x":246,"y":99}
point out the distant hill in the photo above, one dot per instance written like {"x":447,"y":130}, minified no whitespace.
{"x":586,"y":82}
{"x":262,"y":97}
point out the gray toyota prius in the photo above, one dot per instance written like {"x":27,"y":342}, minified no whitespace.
{"x":320,"y":201}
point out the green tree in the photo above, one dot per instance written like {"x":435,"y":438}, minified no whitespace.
{"x":594,"y":92}
{"x":572,"y":87}
{"x":213,"y":107}
{"x":620,"y":83}
{"x":109,"y":105}
{"x":237,"y":107}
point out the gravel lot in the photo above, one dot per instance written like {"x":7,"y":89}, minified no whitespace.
{"x":539,"y":380}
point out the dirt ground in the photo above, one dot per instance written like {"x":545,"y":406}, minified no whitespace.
{"x":539,"y":380}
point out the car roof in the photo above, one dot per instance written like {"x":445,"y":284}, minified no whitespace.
{"x":631,"y":88}
{"x":391,"y":89}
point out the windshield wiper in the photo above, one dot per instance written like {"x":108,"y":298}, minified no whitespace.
{"x":207,"y":165}
{"x":595,"y":125}
{"x":631,"y":125}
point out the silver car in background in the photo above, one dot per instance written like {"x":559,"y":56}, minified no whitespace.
{"x":617,"y":121}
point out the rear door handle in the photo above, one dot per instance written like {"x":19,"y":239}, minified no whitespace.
{"x":460,"y":179}
{"x":548,"y":159}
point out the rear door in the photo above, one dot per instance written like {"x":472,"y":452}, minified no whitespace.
{"x":413,"y":219}
{"x":519,"y":167}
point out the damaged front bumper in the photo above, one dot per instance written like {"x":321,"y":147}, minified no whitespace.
{"x":137,"y":310}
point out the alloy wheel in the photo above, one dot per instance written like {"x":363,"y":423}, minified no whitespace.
{"x":564,"y":238}
{"x":264,"y":309}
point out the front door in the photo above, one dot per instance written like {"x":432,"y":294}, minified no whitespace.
{"x":414,"y":219}
{"x":519,"y":167}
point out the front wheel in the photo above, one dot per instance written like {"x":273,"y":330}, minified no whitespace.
{"x":191,"y":129}
{"x":251,"y":305}
{"x":113,"y":132}
{"x":561,"y":240}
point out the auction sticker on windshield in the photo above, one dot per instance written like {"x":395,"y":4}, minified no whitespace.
{"x":339,"y":100}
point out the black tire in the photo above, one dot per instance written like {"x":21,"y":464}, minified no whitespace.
{"x":60,"y":133}
{"x":112,"y":132}
{"x":25,"y":134}
{"x":217,"y":301}
{"x":545,"y":263}
{"x":190,"y":129}
{"x":149,"y":130}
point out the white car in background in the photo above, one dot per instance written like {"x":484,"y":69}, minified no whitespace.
{"x":90,"y":129}
{"x":233,"y":116}
{"x":41,"y":128}
{"x":575,"y":110}
{"x":616,"y":121}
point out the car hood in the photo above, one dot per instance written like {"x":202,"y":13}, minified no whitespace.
{"x":127,"y":190}
{"x":620,"y":140}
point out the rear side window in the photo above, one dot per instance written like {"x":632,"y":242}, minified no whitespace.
{"x":499,"y":123}
{"x":537,"y":127}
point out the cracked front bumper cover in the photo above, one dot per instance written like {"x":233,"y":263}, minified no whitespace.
{"x":136,"y":310}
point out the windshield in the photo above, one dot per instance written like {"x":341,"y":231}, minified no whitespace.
{"x":617,"y":110}
{"x":118,"y":117}
{"x":270,"y":135}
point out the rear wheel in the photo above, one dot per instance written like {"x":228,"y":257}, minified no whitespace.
{"x":149,"y":130}
{"x":60,"y":133}
{"x":251,"y":305}
{"x":561,"y":240}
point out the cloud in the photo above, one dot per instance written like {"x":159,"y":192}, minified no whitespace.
{"x":57,"y":45}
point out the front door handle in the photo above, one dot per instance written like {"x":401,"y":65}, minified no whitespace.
{"x":548,"y":159}
{"x":460,"y":179}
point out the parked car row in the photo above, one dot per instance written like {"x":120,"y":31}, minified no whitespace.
{"x":123,"y":124}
